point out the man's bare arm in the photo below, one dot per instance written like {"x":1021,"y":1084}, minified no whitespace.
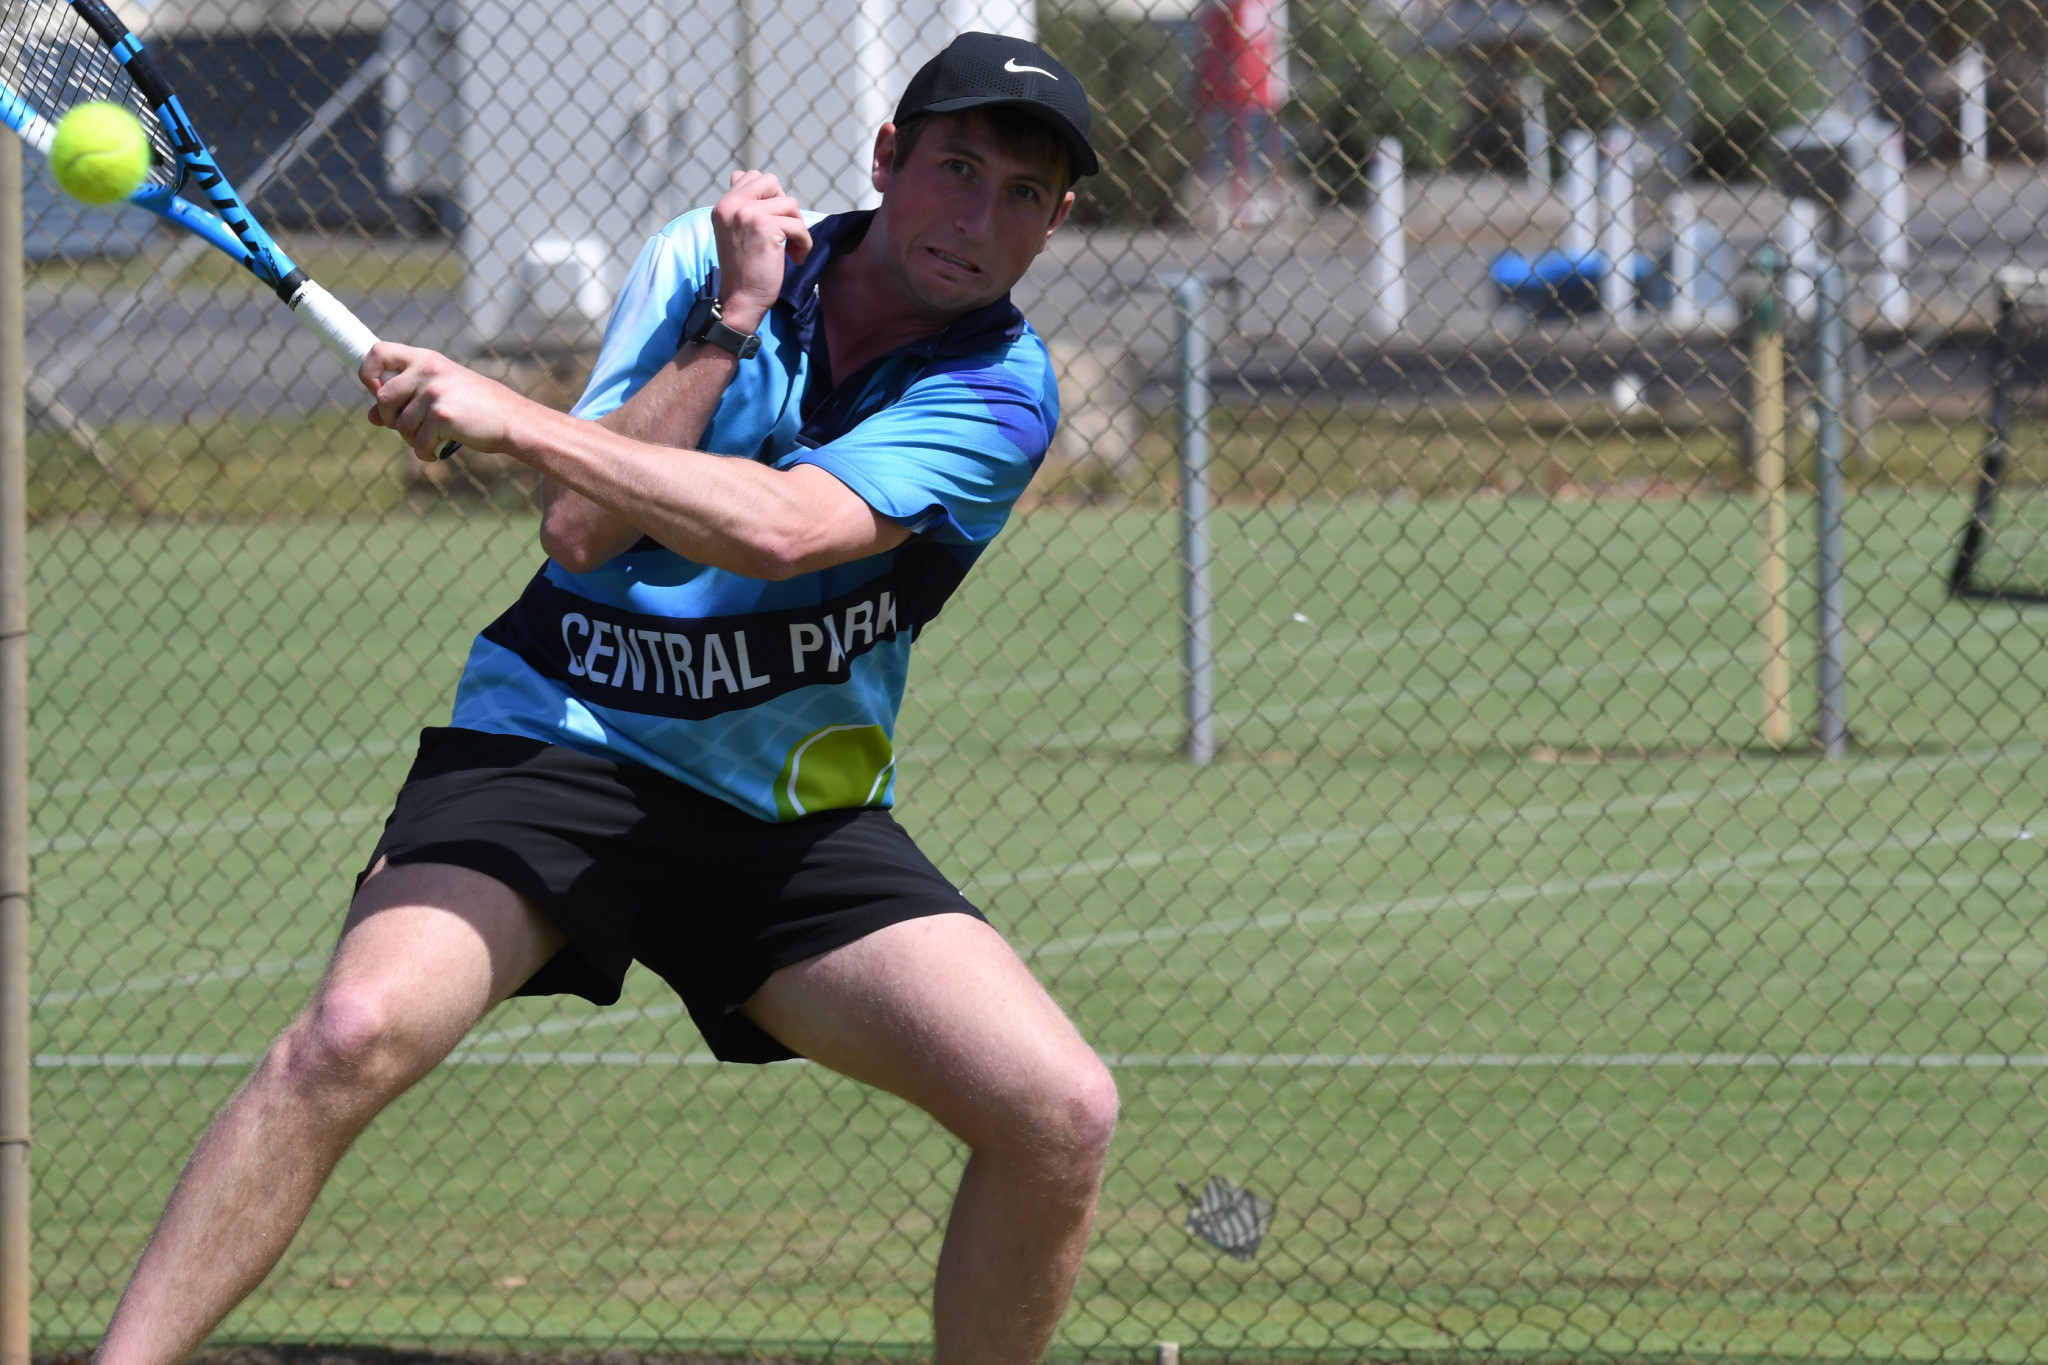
{"x":671,"y":409}
{"x":758,"y":229}
{"x":713,"y":509}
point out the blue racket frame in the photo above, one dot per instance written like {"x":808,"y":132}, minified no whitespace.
{"x":229,"y":227}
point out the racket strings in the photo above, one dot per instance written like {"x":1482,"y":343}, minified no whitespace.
{"x":51,"y":58}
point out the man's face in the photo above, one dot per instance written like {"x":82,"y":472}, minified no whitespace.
{"x":962,"y":220}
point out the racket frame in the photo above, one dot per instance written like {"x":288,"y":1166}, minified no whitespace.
{"x":230,"y":227}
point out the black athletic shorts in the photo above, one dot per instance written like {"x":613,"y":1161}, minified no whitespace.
{"x":631,"y":864}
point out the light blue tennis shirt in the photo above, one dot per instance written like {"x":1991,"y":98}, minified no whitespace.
{"x":780,"y":698}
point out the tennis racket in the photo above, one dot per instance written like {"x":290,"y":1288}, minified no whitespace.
{"x":55,"y":54}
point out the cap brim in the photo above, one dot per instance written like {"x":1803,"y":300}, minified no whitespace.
{"x":1085,"y":160}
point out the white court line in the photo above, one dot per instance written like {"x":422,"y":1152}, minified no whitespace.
{"x":159,"y":778}
{"x":1203,"y":1061}
{"x":472,"y":1053}
{"x":1671,"y":876}
{"x":130,"y":836}
{"x":214,"y":1061}
{"x":1330,"y":644}
{"x":1513,"y":682}
{"x":1497,"y":819}
{"x":1340,"y":645}
{"x":1881,"y":879}
{"x":1618,"y":608}
{"x":136,"y":835}
{"x":1510,"y":683}
{"x":549,"y":1027}
{"x":1538,"y":816}
{"x":142,"y":985}
{"x":1605,"y":1061}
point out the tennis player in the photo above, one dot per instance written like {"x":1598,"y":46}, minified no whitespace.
{"x":676,"y":747}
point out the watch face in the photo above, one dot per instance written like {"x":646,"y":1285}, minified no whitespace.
{"x":706,"y":325}
{"x":703,"y":313}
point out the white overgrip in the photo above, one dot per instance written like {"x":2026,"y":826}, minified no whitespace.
{"x":334,"y":324}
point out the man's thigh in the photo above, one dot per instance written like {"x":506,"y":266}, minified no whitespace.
{"x":940,"y":1011}
{"x":428,"y":949}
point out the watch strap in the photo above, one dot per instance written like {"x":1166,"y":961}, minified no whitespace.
{"x":706,"y":325}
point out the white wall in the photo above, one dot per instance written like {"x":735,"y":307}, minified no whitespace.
{"x":171,"y":18}
{"x":579,"y":128}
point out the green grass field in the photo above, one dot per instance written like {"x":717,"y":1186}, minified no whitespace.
{"x":1558,"y":1015}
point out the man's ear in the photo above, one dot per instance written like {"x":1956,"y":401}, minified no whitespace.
{"x":884,"y":168}
{"x":1059,"y":215}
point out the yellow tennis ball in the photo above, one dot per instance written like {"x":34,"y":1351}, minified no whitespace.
{"x":100,"y":154}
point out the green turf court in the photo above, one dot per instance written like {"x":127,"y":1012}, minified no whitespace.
{"x":1559,"y":1017}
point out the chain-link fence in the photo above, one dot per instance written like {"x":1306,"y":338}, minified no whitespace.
{"x":1520,"y":979}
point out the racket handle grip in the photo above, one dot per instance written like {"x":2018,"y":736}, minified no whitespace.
{"x":330,"y":318}
{"x":345,"y":334}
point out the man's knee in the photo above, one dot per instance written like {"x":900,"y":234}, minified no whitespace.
{"x":1068,"y":1117}
{"x":349,"y":1038}
{"x":1093,"y":1109}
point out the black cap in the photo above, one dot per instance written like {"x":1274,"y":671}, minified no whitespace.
{"x":979,"y":69}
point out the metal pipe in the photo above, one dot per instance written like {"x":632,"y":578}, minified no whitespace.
{"x":15,"y":1269}
{"x":1535,"y":128}
{"x":1386,"y":221}
{"x":1577,"y":188}
{"x":1974,"y":113}
{"x":1191,"y":299}
{"x":1890,"y":217}
{"x":1678,"y":106}
{"x":1798,"y":236}
{"x":1828,"y":451}
{"x":1618,"y":220}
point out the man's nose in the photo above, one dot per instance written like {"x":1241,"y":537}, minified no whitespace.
{"x":977,"y":216}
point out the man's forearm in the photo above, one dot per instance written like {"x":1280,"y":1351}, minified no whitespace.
{"x":721,"y":511}
{"x":713,"y":509}
{"x":671,"y":409}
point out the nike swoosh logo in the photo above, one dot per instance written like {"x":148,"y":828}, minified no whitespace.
{"x":1016,"y":70}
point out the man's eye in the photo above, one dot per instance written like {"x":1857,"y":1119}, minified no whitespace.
{"x":958,"y":167}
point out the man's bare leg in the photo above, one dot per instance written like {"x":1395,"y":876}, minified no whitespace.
{"x":941,"y":1012}
{"x":426,"y":951}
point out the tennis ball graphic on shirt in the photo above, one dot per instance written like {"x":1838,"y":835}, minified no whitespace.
{"x":840,"y":767}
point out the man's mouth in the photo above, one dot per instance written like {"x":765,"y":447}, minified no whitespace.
{"x":958,"y":263}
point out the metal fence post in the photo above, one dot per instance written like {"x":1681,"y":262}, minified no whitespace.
{"x":14,"y":863}
{"x":1767,"y":457}
{"x":1191,"y":301}
{"x":1828,"y":450}
{"x":1386,"y":220}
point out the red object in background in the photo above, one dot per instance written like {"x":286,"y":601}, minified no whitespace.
{"x":1240,"y":70}
{"x":1241,"y":84}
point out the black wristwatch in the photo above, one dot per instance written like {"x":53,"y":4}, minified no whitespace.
{"x":706,"y":324}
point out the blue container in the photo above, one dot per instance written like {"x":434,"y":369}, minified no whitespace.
{"x":1558,"y":283}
